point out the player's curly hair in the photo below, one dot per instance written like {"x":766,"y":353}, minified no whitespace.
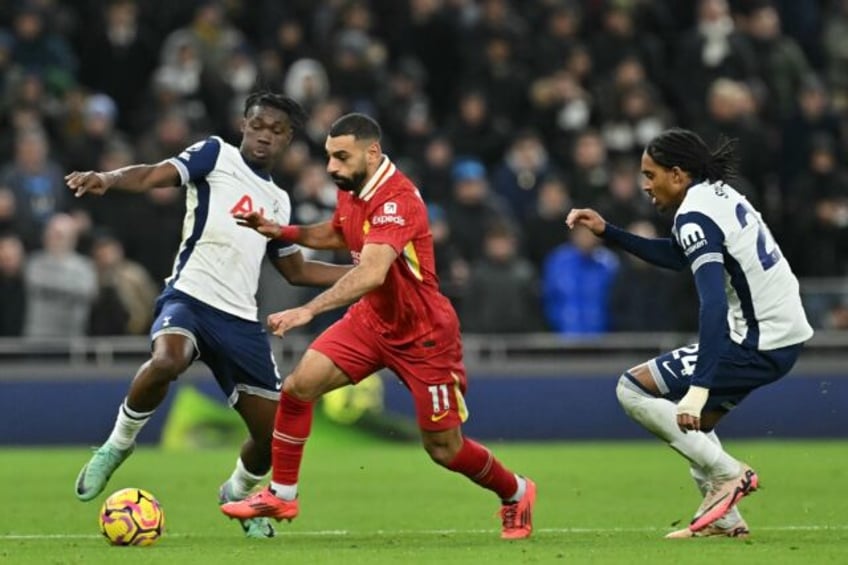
{"x":677,"y":147}
{"x":290,"y":106}
{"x":358,"y":125}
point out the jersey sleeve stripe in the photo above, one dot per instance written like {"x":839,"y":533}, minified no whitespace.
{"x":706,"y":258}
{"x":411,"y":258}
{"x":181,"y":168}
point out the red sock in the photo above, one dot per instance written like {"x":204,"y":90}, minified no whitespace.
{"x":481,"y":466}
{"x":291,"y":430}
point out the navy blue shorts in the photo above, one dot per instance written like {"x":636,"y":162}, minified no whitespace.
{"x":235,"y":349}
{"x":740,"y":371}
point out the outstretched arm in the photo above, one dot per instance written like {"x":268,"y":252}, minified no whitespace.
{"x":661,"y":252}
{"x":370,"y":273}
{"x":135,"y":178}
{"x":315,"y":236}
{"x":302,"y":272}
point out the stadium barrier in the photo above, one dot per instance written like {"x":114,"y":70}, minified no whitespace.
{"x":521,"y":387}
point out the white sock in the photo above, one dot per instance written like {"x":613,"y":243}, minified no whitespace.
{"x":522,"y":488}
{"x":659,"y":416}
{"x":242,"y":481}
{"x":286,"y":492}
{"x":127,"y":425}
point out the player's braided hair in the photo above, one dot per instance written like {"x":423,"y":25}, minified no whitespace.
{"x":683,"y":148}
{"x":290,"y":106}
{"x":358,"y":125}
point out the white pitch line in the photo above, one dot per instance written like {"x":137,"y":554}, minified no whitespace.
{"x":341,"y":533}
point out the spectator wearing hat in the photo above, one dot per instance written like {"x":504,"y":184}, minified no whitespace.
{"x":84,"y":151}
{"x":473,"y":208}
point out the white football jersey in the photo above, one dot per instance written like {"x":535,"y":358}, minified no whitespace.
{"x":717,"y":224}
{"x":218,"y":261}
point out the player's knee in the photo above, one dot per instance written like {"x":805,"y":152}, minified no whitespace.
{"x":442,"y":448}
{"x":301,"y":388}
{"x":441,"y":454}
{"x":628,"y":393}
{"x":166,"y":366}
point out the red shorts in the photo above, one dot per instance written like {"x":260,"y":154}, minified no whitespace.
{"x":434,"y":375}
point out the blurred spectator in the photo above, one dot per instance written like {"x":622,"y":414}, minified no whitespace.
{"x":60,"y":283}
{"x":398,"y":101}
{"x":625,"y":202}
{"x":210,"y":33}
{"x":35,"y":180}
{"x":84,"y":151}
{"x":814,"y":117}
{"x":714,"y":49}
{"x":589,"y":168}
{"x":544,"y":226}
{"x":39,"y":50}
{"x":519,"y":175}
{"x":732,"y":114}
{"x":290,"y":43}
{"x":125,"y":292}
{"x":314,"y":195}
{"x":473,"y":132}
{"x":453,"y":271}
{"x":119,"y":58}
{"x":836,"y":51}
{"x":781,"y":61}
{"x":501,"y":273}
{"x":576,"y":282}
{"x":473,"y":209}
{"x":637,"y":119}
{"x":819,"y":200}
{"x":306,"y":81}
{"x":12,"y":287}
{"x":641,"y":297}
{"x":436,"y":183}
{"x":560,"y":36}
{"x":170,"y":135}
{"x":618,"y":39}
{"x":434,"y":39}
{"x":561,"y":109}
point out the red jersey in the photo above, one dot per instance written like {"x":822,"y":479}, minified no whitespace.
{"x":408,"y":305}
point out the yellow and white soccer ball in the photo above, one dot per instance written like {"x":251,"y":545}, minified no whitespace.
{"x":132,"y":516}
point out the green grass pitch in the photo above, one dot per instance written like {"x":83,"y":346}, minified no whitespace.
{"x":365,"y":501}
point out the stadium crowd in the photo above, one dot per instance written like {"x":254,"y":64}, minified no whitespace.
{"x":506,"y":113}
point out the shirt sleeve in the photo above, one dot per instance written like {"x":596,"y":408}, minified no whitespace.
{"x":662,"y":252}
{"x":197,"y":160}
{"x":396,"y":222}
{"x":277,"y":249}
{"x":702,"y":242}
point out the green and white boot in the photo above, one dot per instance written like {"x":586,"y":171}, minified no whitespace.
{"x":95,"y":474}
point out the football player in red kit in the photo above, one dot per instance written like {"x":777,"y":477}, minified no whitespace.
{"x":399,"y":320}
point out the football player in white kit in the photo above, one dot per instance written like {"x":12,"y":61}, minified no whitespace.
{"x":751,"y":328}
{"x":208,"y":309}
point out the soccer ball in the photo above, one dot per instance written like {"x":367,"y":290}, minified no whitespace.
{"x":132,"y":516}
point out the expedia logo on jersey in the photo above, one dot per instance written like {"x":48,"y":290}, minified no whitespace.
{"x":389,"y":216}
{"x":691,"y":238}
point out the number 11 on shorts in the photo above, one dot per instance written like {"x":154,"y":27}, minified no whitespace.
{"x":439,"y":396}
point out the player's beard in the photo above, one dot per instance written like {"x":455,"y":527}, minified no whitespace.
{"x":354,"y":183}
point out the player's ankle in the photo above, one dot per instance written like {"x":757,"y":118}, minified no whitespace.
{"x":284,"y":492}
